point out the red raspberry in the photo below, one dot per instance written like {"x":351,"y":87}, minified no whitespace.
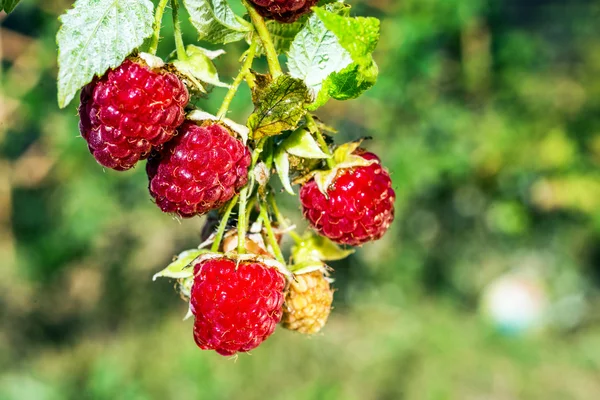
{"x":129,"y":110}
{"x":283,"y":10}
{"x":201,"y":169}
{"x":359,"y":206}
{"x":236,"y":306}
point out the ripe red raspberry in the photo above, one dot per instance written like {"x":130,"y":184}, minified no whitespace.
{"x":283,"y":10}
{"x":201,"y":169}
{"x":129,"y":110}
{"x":236,"y":306}
{"x":359,"y":206}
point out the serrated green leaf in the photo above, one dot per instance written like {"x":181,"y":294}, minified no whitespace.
{"x":278,"y":107}
{"x":8,"y":5}
{"x":347,"y":84}
{"x":352,"y":81}
{"x":216,"y":22}
{"x":97,"y":35}
{"x":282,"y":165}
{"x":302,"y":144}
{"x":358,"y":35}
{"x":316,"y":52}
{"x":179,"y":267}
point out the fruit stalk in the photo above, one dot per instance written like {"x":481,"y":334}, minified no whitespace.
{"x":242,"y":226}
{"x":223,"y":224}
{"x":314,"y":129}
{"x":158,"y":16}
{"x":181,"y":54}
{"x":250,"y":54}
{"x":267,"y":42}
{"x":281,"y":219}
{"x":264,"y":215}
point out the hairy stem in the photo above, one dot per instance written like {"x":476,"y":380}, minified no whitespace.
{"x":267,"y":42}
{"x":314,"y":129}
{"x":270,"y":235}
{"x":250,"y":54}
{"x":223,"y":224}
{"x":281,"y":219}
{"x":158,"y":16}
{"x":181,"y":54}
{"x":242,"y":226}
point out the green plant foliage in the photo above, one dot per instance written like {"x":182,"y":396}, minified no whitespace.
{"x":316,"y":53}
{"x":97,"y":35}
{"x":216,"y":22}
{"x":8,"y":5}
{"x":279,"y":107}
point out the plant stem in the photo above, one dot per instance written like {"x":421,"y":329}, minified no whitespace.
{"x":270,"y":235}
{"x":238,"y":79}
{"x":181,"y":54}
{"x":312,"y":126}
{"x":242,"y":226}
{"x":267,"y":42}
{"x":223,"y":224}
{"x":281,"y":219}
{"x":158,"y":16}
{"x":250,"y":206}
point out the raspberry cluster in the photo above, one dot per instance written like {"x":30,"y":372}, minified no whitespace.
{"x":243,"y":287}
{"x":135,"y":111}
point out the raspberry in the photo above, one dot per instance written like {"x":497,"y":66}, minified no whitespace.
{"x":307,"y":303}
{"x":237,"y":306}
{"x":359,"y":206}
{"x":283,"y":10}
{"x":199,"y":170}
{"x":129,"y":110}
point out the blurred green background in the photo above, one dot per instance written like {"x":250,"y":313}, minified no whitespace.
{"x":487,"y":114}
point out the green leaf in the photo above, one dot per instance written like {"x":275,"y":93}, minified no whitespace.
{"x":216,"y":22}
{"x":281,"y":34}
{"x":8,"y":5}
{"x":278,"y":107}
{"x":179,"y":267}
{"x":199,"y":68}
{"x":316,"y":52}
{"x":302,"y":144}
{"x":97,"y":35}
{"x":317,"y":248}
{"x":359,"y":35}
{"x":282,"y":165}
{"x":347,"y":84}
